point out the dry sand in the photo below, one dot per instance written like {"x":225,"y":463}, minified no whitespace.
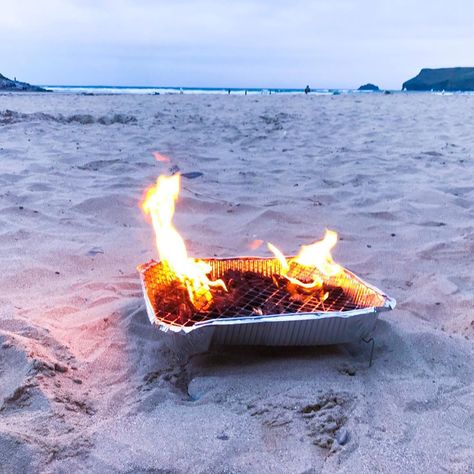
{"x":87,"y":384}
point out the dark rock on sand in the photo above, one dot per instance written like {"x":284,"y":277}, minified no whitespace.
{"x":192,"y":175}
{"x":443,"y":79}
{"x":94,"y":251}
{"x":368,"y":87}
{"x":342,"y":436}
{"x":11,"y":85}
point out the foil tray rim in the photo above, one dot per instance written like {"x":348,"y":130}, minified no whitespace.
{"x":389,"y":304}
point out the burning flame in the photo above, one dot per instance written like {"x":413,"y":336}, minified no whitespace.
{"x":316,"y":260}
{"x":318,"y":255}
{"x":304,"y":274}
{"x":281,"y":258}
{"x":159,"y":203}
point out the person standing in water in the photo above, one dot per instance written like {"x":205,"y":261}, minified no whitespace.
{"x":307,"y":90}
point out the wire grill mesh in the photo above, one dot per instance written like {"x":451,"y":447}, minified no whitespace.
{"x":346,"y":292}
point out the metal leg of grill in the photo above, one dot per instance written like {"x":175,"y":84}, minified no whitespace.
{"x":372,"y":342}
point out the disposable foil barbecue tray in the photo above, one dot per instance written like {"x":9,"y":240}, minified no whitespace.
{"x":349,"y":313}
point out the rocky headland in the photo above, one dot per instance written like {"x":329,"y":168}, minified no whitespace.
{"x":7,"y":84}
{"x":443,"y":79}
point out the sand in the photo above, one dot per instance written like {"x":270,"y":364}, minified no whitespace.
{"x":88,"y":385}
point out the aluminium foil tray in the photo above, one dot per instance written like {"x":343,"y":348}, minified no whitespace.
{"x":302,"y":328}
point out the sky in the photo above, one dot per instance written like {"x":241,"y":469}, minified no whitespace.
{"x":247,"y":43}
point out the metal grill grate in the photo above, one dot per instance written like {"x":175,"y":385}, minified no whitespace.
{"x":346,"y":293}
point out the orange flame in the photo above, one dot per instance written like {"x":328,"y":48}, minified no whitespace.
{"x":315,"y":258}
{"x":159,"y":203}
{"x":279,"y":255}
{"x":318,"y":255}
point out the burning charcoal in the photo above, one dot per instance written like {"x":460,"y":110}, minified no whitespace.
{"x":300,"y":294}
{"x":279,"y":281}
{"x":242,"y":288}
{"x":172,"y":298}
{"x":248,"y":294}
{"x":302,"y":273}
{"x":202,"y":299}
{"x":296,"y":297}
{"x":335,"y":293}
{"x":185,"y":313}
{"x":271,"y":307}
{"x":222,"y":301}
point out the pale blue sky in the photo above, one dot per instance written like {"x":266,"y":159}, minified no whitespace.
{"x":324,"y":43}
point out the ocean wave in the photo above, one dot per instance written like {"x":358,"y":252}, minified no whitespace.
{"x":113,"y":90}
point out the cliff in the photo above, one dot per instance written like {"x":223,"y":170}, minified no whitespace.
{"x":444,"y":79}
{"x":10,"y":85}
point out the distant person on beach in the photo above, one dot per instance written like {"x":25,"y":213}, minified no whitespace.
{"x":307,"y":90}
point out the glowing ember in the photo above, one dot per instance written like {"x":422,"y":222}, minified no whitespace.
{"x":159,"y":203}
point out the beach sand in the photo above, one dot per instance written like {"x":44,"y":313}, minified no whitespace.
{"x":88,"y":385}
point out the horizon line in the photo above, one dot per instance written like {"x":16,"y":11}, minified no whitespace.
{"x":205,"y":87}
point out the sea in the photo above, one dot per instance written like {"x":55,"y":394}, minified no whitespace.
{"x":85,"y":90}
{"x":96,"y":90}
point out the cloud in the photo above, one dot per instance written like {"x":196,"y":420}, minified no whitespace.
{"x":279,"y":43}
